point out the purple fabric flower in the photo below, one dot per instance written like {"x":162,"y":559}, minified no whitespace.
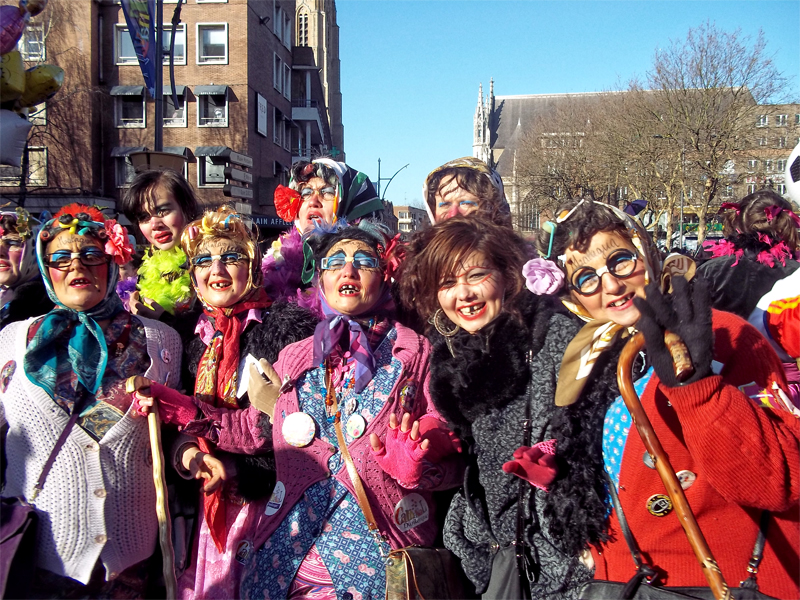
{"x":542,"y":276}
{"x":125,"y":288}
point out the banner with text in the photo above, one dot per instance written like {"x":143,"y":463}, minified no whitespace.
{"x":141,"y":18}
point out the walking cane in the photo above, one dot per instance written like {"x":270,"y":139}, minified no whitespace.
{"x":696,"y":539}
{"x":162,"y":506}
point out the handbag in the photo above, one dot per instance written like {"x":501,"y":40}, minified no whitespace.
{"x":643,"y":585}
{"x":413,"y":572}
{"x":18,"y":526}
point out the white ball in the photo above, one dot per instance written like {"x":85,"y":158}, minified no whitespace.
{"x":793,"y":175}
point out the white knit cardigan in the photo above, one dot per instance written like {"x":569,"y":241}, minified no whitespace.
{"x":99,"y":499}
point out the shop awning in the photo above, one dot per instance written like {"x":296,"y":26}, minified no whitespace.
{"x":210,"y":90}
{"x":212,"y":151}
{"x":127,"y":90}
{"x":119,"y":151}
{"x":182,"y":150}
{"x":179,"y":89}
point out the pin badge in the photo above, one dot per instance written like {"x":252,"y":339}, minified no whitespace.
{"x":659,"y":505}
{"x":298,"y":429}
{"x":648,"y":460}
{"x":686,"y":478}
{"x":407,"y":395}
{"x":6,"y":374}
{"x":356,"y":425}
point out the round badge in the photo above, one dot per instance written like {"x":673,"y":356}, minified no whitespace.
{"x":659,"y":505}
{"x":407,"y":396}
{"x":165,"y":356}
{"x":6,"y":374}
{"x":298,"y":429}
{"x":686,"y":478}
{"x":648,"y":460}
{"x":356,"y":425}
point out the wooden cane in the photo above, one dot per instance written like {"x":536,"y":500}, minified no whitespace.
{"x":696,"y":539}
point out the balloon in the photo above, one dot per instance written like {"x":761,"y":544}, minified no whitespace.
{"x":12,"y":22}
{"x":12,"y":76}
{"x":34,"y":7}
{"x":13,"y":134}
{"x":793,"y":175}
{"x":41,"y":83}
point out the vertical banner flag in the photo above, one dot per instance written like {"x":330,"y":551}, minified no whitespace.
{"x":140,"y":16}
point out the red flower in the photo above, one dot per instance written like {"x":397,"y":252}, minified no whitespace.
{"x":117,"y":244}
{"x":287,"y":203}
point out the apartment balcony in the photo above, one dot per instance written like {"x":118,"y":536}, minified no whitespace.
{"x":307,"y":112}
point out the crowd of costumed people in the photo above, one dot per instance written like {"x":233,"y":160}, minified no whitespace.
{"x":345,"y":413}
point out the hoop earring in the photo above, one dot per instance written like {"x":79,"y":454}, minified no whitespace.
{"x":447,"y":335}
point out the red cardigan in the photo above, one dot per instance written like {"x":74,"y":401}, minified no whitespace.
{"x":746,"y":460}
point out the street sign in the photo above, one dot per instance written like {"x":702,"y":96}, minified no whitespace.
{"x":238,"y":175}
{"x":240,"y":159}
{"x":243,"y":208}
{"x":234,"y":191}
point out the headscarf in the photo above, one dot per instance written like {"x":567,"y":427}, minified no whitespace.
{"x":474,"y":164}
{"x":355,"y":195}
{"x":598,"y":335}
{"x":27,"y":229}
{"x":86,"y":352}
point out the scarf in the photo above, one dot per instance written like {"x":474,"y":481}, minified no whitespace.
{"x":363,"y":334}
{"x":216,"y":384}
{"x":85,"y":352}
{"x":597,"y":336}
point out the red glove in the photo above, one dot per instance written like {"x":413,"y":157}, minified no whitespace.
{"x":173,"y":407}
{"x":404,"y":453}
{"x":535,"y":464}
{"x":443,"y":442}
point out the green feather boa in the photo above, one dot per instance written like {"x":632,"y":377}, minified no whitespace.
{"x":164,"y":279}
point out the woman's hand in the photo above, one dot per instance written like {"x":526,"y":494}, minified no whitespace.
{"x":145,"y":307}
{"x":402,"y":456}
{"x":173,"y":407}
{"x":202,"y":465}
{"x":687,"y":313}
{"x":263,"y":390}
{"x":535,"y":464}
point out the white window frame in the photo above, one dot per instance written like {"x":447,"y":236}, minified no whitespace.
{"x":781,"y":142}
{"x":201,"y":100}
{"x":780,"y":120}
{"x":780,"y":188}
{"x":118,"y":113}
{"x":302,"y":27}
{"x":287,"y":81}
{"x":262,"y":115}
{"x":181,"y":27}
{"x":124,"y":172}
{"x":277,"y":126}
{"x":121,"y":29}
{"x":277,"y":19}
{"x":202,"y":163}
{"x":762,"y":141}
{"x":768,"y":166}
{"x":751,"y":188}
{"x":763,"y":121}
{"x":39,"y":56}
{"x":37,"y":115}
{"x":171,"y":121}
{"x":199,"y":43}
{"x":780,"y":165}
{"x":13,"y":174}
{"x":277,"y":72}
{"x":752,"y":164}
{"x":287,"y":30}
{"x":287,"y":136}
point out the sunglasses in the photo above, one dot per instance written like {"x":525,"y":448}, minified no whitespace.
{"x":339,"y":260}
{"x":88,"y":257}
{"x":204,"y":261}
{"x":621,"y":264}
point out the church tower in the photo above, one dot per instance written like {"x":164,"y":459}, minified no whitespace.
{"x":481,"y":136}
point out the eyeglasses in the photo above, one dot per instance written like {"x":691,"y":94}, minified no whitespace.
{"x":472,"y":276}
{"x":326,"y":193}
{"x":89,"y":257}
{"x":621,"y":264}
{"x":204,"y":261}
{"x":12,"y":243}
{"x":339,"y":260}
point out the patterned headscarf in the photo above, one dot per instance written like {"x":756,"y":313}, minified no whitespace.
{"x":26,"y":227}
{"x":85,"y":352}
{"x":474,"y":164}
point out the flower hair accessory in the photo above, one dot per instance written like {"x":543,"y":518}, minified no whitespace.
{"x":730,"y":206}
{"x":542,"y":276}
{"x":287,"y":203}
{"x":118,"y":246}
{"x":393,"y":254}
{"x":773,"y":211}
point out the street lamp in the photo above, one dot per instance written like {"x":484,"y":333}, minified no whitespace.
{"x":389,"y":179}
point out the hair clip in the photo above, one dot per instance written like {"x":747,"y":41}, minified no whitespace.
{"x":564,"y":217}
{"x":551,"y":227}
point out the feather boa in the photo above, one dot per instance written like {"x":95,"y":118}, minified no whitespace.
{"x":767,"y":251}
{"x":163,"y":278}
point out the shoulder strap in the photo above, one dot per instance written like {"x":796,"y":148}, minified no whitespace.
{"x":73,"y":418}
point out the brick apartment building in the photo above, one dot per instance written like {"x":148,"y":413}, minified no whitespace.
{"x":247,"y":80}
{"x":410,"y":218}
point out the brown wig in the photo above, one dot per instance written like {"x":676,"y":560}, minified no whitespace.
{"x":141,"y":195}
{"x":491,"y":201}
{"x":751,"y":218}
{"x":437,"y":252}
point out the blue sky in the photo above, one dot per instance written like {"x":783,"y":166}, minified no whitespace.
{"x":410,"y":70}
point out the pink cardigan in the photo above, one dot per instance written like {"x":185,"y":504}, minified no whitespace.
{"x":394,"y":507}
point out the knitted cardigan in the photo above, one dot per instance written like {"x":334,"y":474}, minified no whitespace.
{"x":98,"y":501}
{"x":746,"y":460}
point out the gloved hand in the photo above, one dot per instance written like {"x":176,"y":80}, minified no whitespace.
{"x":687,"y":313}
{"x":173,"y":407}
{"x":535,"y":464}
{"x":263,"y":395}
{"x":443,"y":441}
{"x":403,"y":455}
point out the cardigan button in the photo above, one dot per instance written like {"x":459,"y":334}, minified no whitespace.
{"x":347,"y":596}
{"x":100,"y":493}
{"x":101,"y":539}
{"x":92,"y":447}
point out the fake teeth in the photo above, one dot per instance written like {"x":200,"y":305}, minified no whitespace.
{"x":220,"y":285}
{"x":348,"y":290}
{"x":620,"y":302}
{"x":471,"y":310}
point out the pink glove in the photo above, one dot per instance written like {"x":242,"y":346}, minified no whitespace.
{"x":443,"y":442}
{"x":173,"y":407}
{"x":535,"y":464}
{"x":403,"y":455}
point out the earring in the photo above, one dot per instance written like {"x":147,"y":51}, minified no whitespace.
{"x":441,"y":329}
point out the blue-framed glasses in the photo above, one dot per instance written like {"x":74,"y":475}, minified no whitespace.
{"x":89,"y":257}
{"x":360,"y":260}
{"x":326,"y":193}
{"x":621,"y":264}
{"x":204,"y":261}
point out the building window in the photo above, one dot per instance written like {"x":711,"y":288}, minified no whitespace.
{"x":129,"y":110}
{"x":180,"y":45}
{"x":781,"y":142}
{"x":752,"y":165}
{"x":768,"y":166}
{"x":287,"y":135}
{"x":212,"y":43}
{"x":762,"y":121}
{"x":287,"y":82}
{"x":405,"y":227}
{"x":302,"y":29}
{"x":780,"y":165}
{"x":762,"y":141}
{"x":124,"y":54}
{"x":402,"y":215}
{"x":287,"y":30}
{"x":37,"y":170}
{"x":212,"y":110}
{"x":174,"y":116}
{"x":209,"y":173}
{"x":37,"y":115}
{"x":728,"y":191}
{"x":277,"y":73}
{"x":781,"y":189}
{"x":124,"y":171}
{"x":261,"y":118}
{"x":31,"y":44}
{"x":780,"y":120}
{"x":751,"y":188}
{"x":278,"y":126}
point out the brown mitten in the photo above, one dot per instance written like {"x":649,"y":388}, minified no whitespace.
{"x":264,"y":388}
